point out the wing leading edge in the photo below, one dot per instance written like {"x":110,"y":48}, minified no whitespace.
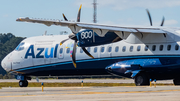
{"x":79,"y":25}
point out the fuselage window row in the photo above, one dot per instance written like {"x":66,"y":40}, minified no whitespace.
{"x":109,"y":49}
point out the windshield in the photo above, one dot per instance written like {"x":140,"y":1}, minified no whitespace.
{"x":20,"y":47}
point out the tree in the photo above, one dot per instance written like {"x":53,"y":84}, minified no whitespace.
{"x":8,"y":42}
{"x":5,"y":77}
{"x":1,"y":76}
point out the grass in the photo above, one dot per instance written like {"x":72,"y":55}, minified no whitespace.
{"x":15,"y":84}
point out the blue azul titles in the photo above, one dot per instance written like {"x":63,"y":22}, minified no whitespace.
{"x":47,"y":54}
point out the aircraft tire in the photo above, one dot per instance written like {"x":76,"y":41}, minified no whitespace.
{"x":141,"y":80}
{"x":23,"y":83}
{"x":176,"y":81}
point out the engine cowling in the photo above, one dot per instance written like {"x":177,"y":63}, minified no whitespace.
{"x":133,"y":66}
{"x":88,"y":38}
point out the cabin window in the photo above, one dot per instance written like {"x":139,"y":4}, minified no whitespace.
{"x":153,"y":47}
{"x":102,"y":49}
{"x":146,"y":48}
{"x":177,"y":47}
{"x":89,"y":49}
{"x":109,"y":49}
{"x":81,"y":51}
{"x":116,"y":49}
{"x":95,"y":49}
{"x":61,"y":50}
{"x":131,"y":49}
{"x":169,"y":47}
{"x":138,"y":48}
{"x":161,"y":47}
{"x":124,"y":48}
{"x":68,"y":50}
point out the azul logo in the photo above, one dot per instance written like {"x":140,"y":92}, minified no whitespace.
{"x":30,"y":52}
{"x":87,"y":34}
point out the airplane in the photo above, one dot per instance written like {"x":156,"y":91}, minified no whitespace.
{"x":141,"y":53}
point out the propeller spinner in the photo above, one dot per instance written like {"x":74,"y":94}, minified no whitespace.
{"x":74,"y":37}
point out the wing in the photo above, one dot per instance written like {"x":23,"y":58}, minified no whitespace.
{"x":76,"y":26}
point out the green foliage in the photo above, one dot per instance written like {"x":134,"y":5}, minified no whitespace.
{"x":5,"y":77}
{"x":1,"y":76}
{"x":8,"y":43}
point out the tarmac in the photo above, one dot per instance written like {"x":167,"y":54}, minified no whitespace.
{"x":123,"y":93}
{"x":143,"y":93}
{"x":84,"y":80}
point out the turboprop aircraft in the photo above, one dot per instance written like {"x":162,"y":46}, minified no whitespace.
{"x":141,"y":53}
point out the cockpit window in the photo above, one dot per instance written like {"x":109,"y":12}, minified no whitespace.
{"x":20,"y":47}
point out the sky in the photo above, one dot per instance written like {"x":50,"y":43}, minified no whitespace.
{"x":109,"y":12}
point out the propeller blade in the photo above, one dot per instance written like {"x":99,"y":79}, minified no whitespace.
{"x":65,"y":17}
{"x":79,"y":14}
{"x":84,"y":49}
{"x":149,"y":17}
{"x":162,"y":21}
{"x":73,"y":36}
{"x":63,"y":41}
{"x":74,"y":54}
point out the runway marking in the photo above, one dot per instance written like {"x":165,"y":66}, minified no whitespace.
{"x":88,"y":93}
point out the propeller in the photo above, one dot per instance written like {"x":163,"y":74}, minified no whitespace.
{"x":74,"y":37}
{"x":162,"y":23}
{"x":65,"y":17}
{"x":149,"y":17}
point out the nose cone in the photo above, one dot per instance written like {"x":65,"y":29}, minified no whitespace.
{"x":5,"y":64}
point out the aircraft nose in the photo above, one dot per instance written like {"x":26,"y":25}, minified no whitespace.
{"x":6,"y":65}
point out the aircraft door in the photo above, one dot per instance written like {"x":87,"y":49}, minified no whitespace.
{"x":16,"y":61}
{"x":105,"y":51}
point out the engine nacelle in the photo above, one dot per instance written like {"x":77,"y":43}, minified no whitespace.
{"x":88,"y":38}
{"x":134,"y":66}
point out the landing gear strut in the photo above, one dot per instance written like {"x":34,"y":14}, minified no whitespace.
{"x":23,"y":83}
{"x":141,"y":80}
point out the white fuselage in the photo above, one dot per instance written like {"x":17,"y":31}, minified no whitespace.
{"x":129,"y":46}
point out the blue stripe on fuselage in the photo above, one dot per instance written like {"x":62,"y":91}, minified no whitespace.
{"x":116,"y":59}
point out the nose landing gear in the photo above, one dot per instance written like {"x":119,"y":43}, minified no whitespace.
{"x":23,"y":83}
{"x":23,"y":80}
